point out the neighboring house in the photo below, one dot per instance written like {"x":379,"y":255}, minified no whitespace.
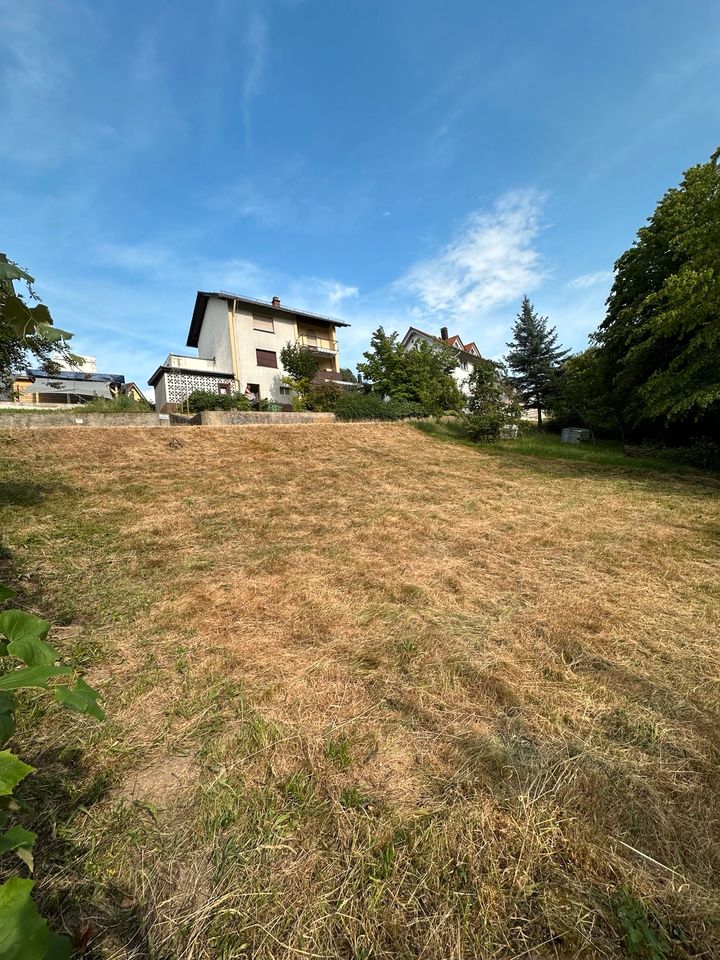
{"x":133,"y":391}
{"x":77,"y":384}
{"x":467,"y":353}
{"x":239,"y":340}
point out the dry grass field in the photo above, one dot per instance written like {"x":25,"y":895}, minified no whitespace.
{"x":370,"y":696}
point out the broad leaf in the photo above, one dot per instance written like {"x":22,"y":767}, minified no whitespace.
{"x":24,"y":935}
{"x":5,"y":593}
{"x":59,"y":948}
{"x":81,"y":697}
{"x":17,"y":314}
{"x":41,"y":314}
{"x":11,"y":271}
{"x":12,"y":771}
{"x":21,"y":841}
{"x":33,"y":652}
{"x":51,"y":334}
{"x":18,"y":625}
{"x":32,"y":677}
{"x":16,"y":837}
{"x":7,"y":727}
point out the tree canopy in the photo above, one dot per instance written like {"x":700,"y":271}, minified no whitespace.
{"x":25,"y":328}
{"x":420,"y":374}
{"x":661,"y":334}
{"x":533,"y":358}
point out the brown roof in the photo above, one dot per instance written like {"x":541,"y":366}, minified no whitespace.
{"x":202,"y":298}
{"x":448,"y":342}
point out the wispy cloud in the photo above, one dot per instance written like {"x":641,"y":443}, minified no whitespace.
{"x":256,"y":45}
{"x":590,"y":280}
{"x":492,"y":261}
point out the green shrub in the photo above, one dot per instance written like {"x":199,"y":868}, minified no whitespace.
{"x":484,"y":426}
{"x":324,"y":397}
{"x":370,"y":406}
{"x":206,"y":400}
{"x":121,"y":404}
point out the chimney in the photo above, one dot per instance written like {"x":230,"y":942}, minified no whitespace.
{"x":276,"y":301}
{"x":444,"y":333}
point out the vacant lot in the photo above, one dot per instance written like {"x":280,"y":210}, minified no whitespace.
{"x":370,"y":695}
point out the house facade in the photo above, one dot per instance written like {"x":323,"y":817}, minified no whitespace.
{"x":238,"y":341}
{"x":67,"y":384}
{"x":467,"y":353}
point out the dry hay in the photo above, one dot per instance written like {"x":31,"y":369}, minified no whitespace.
{"x":525,"y":651}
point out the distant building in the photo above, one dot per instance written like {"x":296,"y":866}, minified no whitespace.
{"x":69,"y":384}
{"x":467,"y":353}
{"x":132,"y":391}
{"x":239,"y":340}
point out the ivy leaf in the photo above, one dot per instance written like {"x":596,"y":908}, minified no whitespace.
{"x":32,"y":677}
{"x":81,"y":697}
{"x":12,"y":771}
{"x":24,"y":935}
{"x":5,"y":593}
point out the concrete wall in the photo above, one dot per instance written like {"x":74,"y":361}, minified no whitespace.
{"x":214,"y":339}
{"x":231,"y":418}
{"x":43,"y":421}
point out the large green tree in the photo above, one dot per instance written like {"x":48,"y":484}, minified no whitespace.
{"x":661,"y":334}
{"x":26,"y":327}
{"x":421,"y":373}
{"x":533,"y":358}
{"x":581,"y":395}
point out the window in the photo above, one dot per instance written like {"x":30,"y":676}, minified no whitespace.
{"x":264,"y":325}
{"x":224,"y":388}
{"x":285,"y":390}
{"x":266,"y":358}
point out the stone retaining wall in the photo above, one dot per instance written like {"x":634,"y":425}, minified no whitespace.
{"x":231,"y":418}
{"x":208,"y":418}
{"x":42,"y":421}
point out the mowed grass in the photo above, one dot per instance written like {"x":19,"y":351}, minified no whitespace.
{"x":370,"y":695}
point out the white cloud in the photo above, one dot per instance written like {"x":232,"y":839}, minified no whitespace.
{"x":493,"y":261}
{"x":256,"y":43}
{"x":591,"y":279}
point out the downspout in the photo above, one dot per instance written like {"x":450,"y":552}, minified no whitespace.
{"x":233,"y":345}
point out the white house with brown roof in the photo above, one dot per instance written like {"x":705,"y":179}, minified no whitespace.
{"x":238,"y":340}
{"x":467,"y":353}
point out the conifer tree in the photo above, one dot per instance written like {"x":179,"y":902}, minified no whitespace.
{"x":533,"y":359}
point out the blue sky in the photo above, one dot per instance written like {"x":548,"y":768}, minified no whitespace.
{"x":382,"y":161}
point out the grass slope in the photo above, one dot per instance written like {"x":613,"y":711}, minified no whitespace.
{"x":370,"y":696}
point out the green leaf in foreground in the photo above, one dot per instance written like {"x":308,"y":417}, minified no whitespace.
{"x":24,"y":935}
{"x":6,"y":593}
{"x":16,"y":837}
{"x":7,"y":718}
{"x":26,"y":634}
{"x":32,"y":677}
{"x":81,"y":697}
{"x":12,"y":771}
{"x":21,"y":841}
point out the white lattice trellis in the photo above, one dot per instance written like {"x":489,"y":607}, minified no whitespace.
{"x":181,"y":385}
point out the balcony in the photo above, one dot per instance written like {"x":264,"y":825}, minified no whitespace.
{"x":310,"y":341}
{"x":326,"y":376}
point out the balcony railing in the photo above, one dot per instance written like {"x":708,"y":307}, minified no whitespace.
{"x":317,"y":344}
{"x":325,"y":376}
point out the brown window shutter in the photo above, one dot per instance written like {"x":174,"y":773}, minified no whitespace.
{"x":266,"y":358}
